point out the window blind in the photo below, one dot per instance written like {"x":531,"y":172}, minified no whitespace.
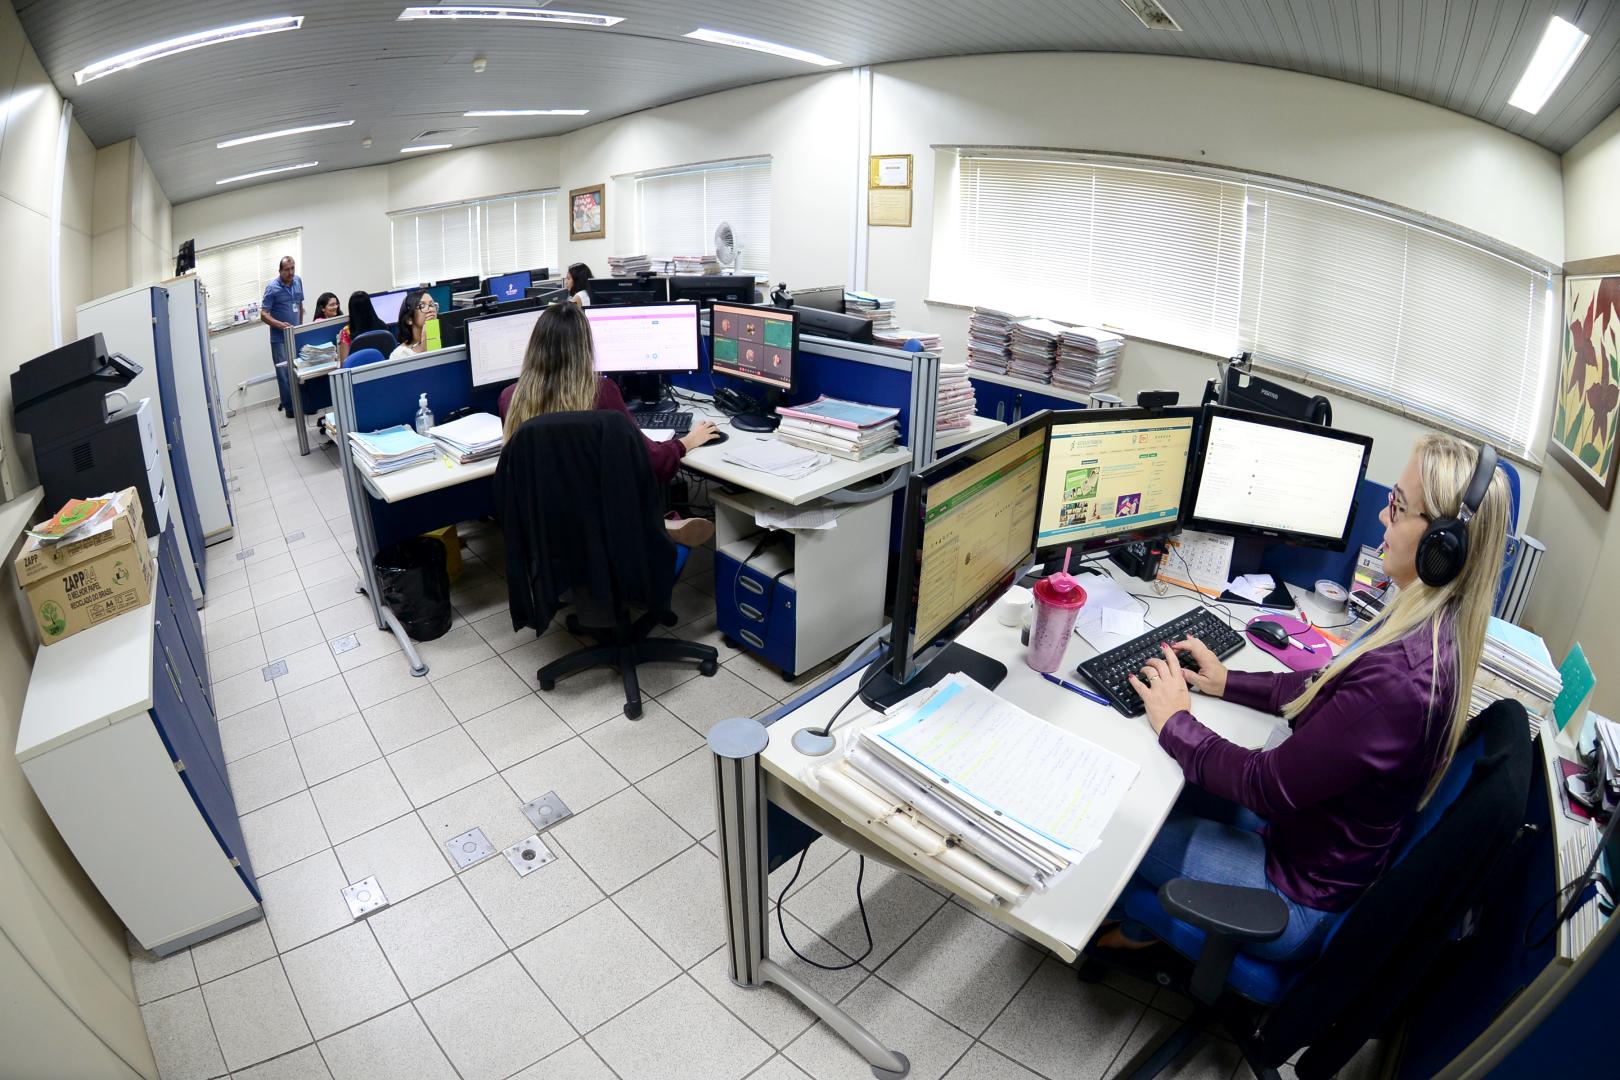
{"x":235,"y":274}
{"x":484,"y":237}
{"x":678,"y":212}
{"x":520,"y":233}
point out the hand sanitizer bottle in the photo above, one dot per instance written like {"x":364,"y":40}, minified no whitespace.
{"x":424,"y":416}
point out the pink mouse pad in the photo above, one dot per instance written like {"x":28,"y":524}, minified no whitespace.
{"x":1293,"y":656}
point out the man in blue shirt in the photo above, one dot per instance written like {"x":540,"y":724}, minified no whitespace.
{"x":283,"y":303}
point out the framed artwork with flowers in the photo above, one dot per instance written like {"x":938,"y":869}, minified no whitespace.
{"x":1586,"y":413}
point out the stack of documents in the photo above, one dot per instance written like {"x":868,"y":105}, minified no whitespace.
{"x":989,"y":344}
{"x":1006,"y":801}
{"x":471,"y":438}
{"x":391,"y":449}
{"x":694,"y":264}
{"x":1515,"y":664}
{"x":773,"y":456}
{"x":1575,"y":854}
{"x":895,"y":339}
{"x":1087,"y":359}
{"x":629,"y":265}
{"x":878,"y":310}
{"x":846,"y":429}
{"x":1034,"y":348}
{"x":316,"y":358}
{"x":957,"y":401}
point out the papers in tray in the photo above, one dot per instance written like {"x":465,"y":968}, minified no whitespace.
{"x":391,"y":449}
{"x":472,"y":438}
{"x":773,"y":456}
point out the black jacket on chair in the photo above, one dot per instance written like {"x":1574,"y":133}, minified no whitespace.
{"x":581,"y":512}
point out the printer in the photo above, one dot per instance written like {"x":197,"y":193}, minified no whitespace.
{"x":83,"y":446}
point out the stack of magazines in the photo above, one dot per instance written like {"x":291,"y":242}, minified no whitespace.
{"x":1034,"y":348}
{"x":694,"y":264}
{"x":628,"y":265}
{"x":1087,"y":359}
{"x":474,"y":437}
{"x":317,"y":358}
{"x":957,"y":400}
{"x":391,"y":449}
{"x":989,"y":344}
{"x":1515,"y":664}
{"x":877,"y":310}
{"x":846,"y":429}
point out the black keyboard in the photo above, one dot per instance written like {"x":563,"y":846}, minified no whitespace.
{"x":679,"y":422}
{"x":1110,"y":672}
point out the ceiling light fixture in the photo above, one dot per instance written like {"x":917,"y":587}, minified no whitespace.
{"x":508,"y":14}
{"x":737,"y":41}
{"x":158,"y":51}
{"x":267,"y":172}
{"x":425,"y":147}
{"x":1556,"y":54}
{"x":284,"y":131}
{"x":526,"y":112}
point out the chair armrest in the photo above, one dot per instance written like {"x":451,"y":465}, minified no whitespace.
{"x":1228,"y":910}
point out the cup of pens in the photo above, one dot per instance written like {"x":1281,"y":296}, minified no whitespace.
{"x":1058,"y":600}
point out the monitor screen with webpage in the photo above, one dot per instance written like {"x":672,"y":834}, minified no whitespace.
{"x":644,"y":337}
{"x":496,"y":345}
{"x":756,"y":344}
{"x":1115,"y":476}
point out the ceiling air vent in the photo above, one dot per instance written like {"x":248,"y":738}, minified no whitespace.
{"x":1152,"y":15}
{"x":441,"y":134}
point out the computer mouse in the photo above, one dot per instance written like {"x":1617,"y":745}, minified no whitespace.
{"x":1269,"y":632}
{"x":718,"y":438}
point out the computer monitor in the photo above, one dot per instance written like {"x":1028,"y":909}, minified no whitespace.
{"x":759,"y":345}
{"x":441,"y":296}
{"x":650,"y":338}
{"x":539,"y":274}
{"x":967,"y":529}
{"x":508,"y":286}
{"x":1276,"y":479}
{"x":523,"y":303}
{"x":387,"y":304}
{"x":496,"y":345}
{"x":832,"y":324}
{"x":453,"y":325}
{"x":628,"y":290}
{"x":547,"y":294}
{"x":825,"y":298}
{"x":707,"y":289}
{"x":1115,"y":477}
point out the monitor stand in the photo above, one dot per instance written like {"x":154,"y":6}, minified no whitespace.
{"x":1247,"y":555}
{"x":763,"y":418}
{"x":643,"y":392}
{"x":883,"y":691}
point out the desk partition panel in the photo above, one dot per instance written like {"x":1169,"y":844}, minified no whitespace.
{"x":284,"y":345}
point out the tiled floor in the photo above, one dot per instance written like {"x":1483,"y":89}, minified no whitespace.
{"x":606,"y":963}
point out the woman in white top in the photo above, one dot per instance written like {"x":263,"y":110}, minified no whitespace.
{"x":414,"y":313}
{"x":575,"y":280}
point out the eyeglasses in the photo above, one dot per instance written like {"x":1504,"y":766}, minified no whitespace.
{"x":1397,"y":508}
{"x":427,"y":303}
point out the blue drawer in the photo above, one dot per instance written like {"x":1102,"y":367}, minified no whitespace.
{"x":755,"y":605}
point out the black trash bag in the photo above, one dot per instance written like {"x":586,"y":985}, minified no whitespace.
{"x":416,"y":586}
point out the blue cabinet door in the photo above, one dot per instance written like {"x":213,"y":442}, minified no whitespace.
{"x":183,"y":493}
{"x":185,"y":611}
{"x":171,"y":647}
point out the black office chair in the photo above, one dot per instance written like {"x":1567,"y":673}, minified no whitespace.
{"x":584,"y":525}
{"x":381,"y":340}
{"x":1467,"y":837}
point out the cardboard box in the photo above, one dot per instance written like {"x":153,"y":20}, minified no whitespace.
{"x":76,"y":585}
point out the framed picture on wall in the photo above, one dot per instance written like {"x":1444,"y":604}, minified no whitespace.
{"x":587,"y":213}
{"x":1586,"y":410}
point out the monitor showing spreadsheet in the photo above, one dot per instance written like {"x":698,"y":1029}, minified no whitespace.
{"x":496,"y":345}
{"x":644,"y":337}
{"x":1115,"y":476}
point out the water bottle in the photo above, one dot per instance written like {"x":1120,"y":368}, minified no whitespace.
{"x":424,"y":416}
{"x":1058,"y":600}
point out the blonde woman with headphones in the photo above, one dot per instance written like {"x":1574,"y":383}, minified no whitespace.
{"x":1316,"y":819}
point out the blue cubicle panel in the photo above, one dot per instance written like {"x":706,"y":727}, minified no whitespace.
{"x":317,"y":395}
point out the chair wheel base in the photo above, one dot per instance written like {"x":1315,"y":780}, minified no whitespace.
{"x":708,"y":667}
{"x":632,"y":709}
{"x":548,"y":685}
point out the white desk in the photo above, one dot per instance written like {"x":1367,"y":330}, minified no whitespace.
{"x":978,"y":427}
{"x":421,"y":479}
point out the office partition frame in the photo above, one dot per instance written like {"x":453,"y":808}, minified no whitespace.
{"x":291,"y":341}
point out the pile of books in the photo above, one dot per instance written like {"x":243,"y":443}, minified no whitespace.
{"x":312,"y":359}
{"x":877,"y":310}
{"x":1515,"y":664}
{"x":391,"y":449}
{"x":628,"y":265}
{"x":957,"y":402}
{"x":845,"y":429}
{"x":989,"y":344}
{"x":472,"y":438}
{"x":694,"y":264}
{"x":1034,"y":348}
{"x":896,"y":339}
{"x":1087,"y":359}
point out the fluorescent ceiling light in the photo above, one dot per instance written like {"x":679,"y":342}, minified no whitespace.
{"x":267,"y":172}
{"x":1556,"y":54}
{"x":526,"y":112}
{"x":508,"y":14}
{"x":284,"y":131}
{"x":136,"y":57}
{"x":425,"y":147}
{"x":737,"y":41}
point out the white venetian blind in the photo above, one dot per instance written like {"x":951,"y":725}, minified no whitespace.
{"x":435,"y":243}
{"x":520,"y":233}
{"x":678,"y":211}
{"x":482,"y":236}
{"x":236,"y":273}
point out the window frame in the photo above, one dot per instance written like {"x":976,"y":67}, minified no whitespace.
{"x":479,"y":215}
{"x":286,"y":242}
{"x":704,"y":169}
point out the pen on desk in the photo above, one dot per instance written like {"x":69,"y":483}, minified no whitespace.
{"x":1082,"y":691}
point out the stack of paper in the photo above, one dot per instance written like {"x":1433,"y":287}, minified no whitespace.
{"x":391,"y":449}
{"x":878,"y":310}
{"x":773,"y":456}
{"x":628,"y":265}
{"x":1515,"y":664}
{"x":77,"y":519}
{"x":846,"y":429}
{"x":315,"y":358}
{"x":1087,"y":359}
{"x":694,"y":264}
{"x":471,"y":438}
{"x":989,"y":344}
{"x":1034,"y":348}
{"x":1005,"y":800}
{"x":957,"y":401}
{"x":895,"y":339}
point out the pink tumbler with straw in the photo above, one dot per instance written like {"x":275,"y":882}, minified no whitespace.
{"x":1058,"y":600}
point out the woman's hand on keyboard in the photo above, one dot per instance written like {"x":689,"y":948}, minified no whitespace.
{"x":1160,"y":687}
{"x":1210,"y":678}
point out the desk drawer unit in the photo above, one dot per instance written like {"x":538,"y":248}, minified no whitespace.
{"x":755,"y":601}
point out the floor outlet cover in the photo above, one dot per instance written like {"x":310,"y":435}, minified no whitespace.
{"x":546,"y":811}
{"x":470,"y":847}
{"x":527,"y":856}
{"x":364,"y":897}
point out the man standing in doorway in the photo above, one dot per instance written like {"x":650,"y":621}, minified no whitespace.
{"x":283,"y":303}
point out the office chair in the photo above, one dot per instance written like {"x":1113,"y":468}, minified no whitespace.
{"x":1467,"y":836}
{"x":362,"y":357}
{"x":584,"y":525}
{"x":381,"y":340}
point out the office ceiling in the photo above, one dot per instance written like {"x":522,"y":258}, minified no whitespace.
{"x":353,"y":60}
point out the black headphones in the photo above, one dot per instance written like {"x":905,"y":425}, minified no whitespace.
{"x":1443,"y":550}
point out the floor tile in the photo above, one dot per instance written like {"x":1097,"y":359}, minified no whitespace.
{"x":476,"y":690}
{"x":817,"y":858}
{"x":335,"y":748}
{"x":182,"y":1039}
{"x":306,"y":667}
{"x":677,"y":905}
{"x":290,"y":637}
{"x":284,"y":832}
{"x":326,"y":573}
{"x":254,"y":1014}
{"x":595,"y":695}
{"x":1063,"y":1028}
{"x":779,"y":1068}
{"x":359,"y":800}
{"x":436,"y":766}
{"x":241,"y":692}
{"x":679,"y":1033}
{"x":983,"y":1063}
{"x":159,"y":976}
{"x":685,"y":791}
{"x":264,"y":567}
{"x":702,"y":702}
{"x":530,"y":656}
{"x":242,"y":947}
{"x":434,"y":937}
{"x":596,"y":965}
{"x":894,"y":1020}
{"x":342,"y":979}
{"x":489,"y":805}
{"x":1215,"y":1059}
{"x":302,"y":1064}
{"x":494,"y":1021}
{"x":572,"y":769}
{"x":228,"y":629}
{"x":961,"y":968}
{"x":353,"y":614}
{"x":276,"y":588}
{"x":478,"y":601}
{"x":457,"y":650}
{"x":244,"y":655}
{"x":252,"y":730}
{"x":220,"y":607}
{"x":400,"y":855}
{"x":522,"y":908}
{"x":380,"y":680}
{"x":396,"y":1043}
{"x":263,"y":778}
{"x":620,"y":839}
{"x":517,"y":730}
{"x":896,"y":905}
{"x":309,"y":708}
{"x":370,"y":644}
{"x":576,"y":1061}
{"x":497,"y":631}
{"x":225,"y":578}
{"x":639,"y":748}
{"x":283,"y":610}
{"x":412,"y":717}
{"x":305,"y":900}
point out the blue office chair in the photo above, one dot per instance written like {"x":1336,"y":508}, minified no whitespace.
{"x":362,"y":357}
{"x":381,"y":340}
{"x":1380,"y":949}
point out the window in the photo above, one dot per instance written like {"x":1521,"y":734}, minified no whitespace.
{"x":235,"y":274}
{"x":1334,"y":290}
{"x":482,"y":236}
{"x":678,"y":211}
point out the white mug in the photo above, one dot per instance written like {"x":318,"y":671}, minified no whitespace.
{"x":1013,"y":604}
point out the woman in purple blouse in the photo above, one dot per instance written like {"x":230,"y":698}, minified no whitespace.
{"x":1316,"y":819}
